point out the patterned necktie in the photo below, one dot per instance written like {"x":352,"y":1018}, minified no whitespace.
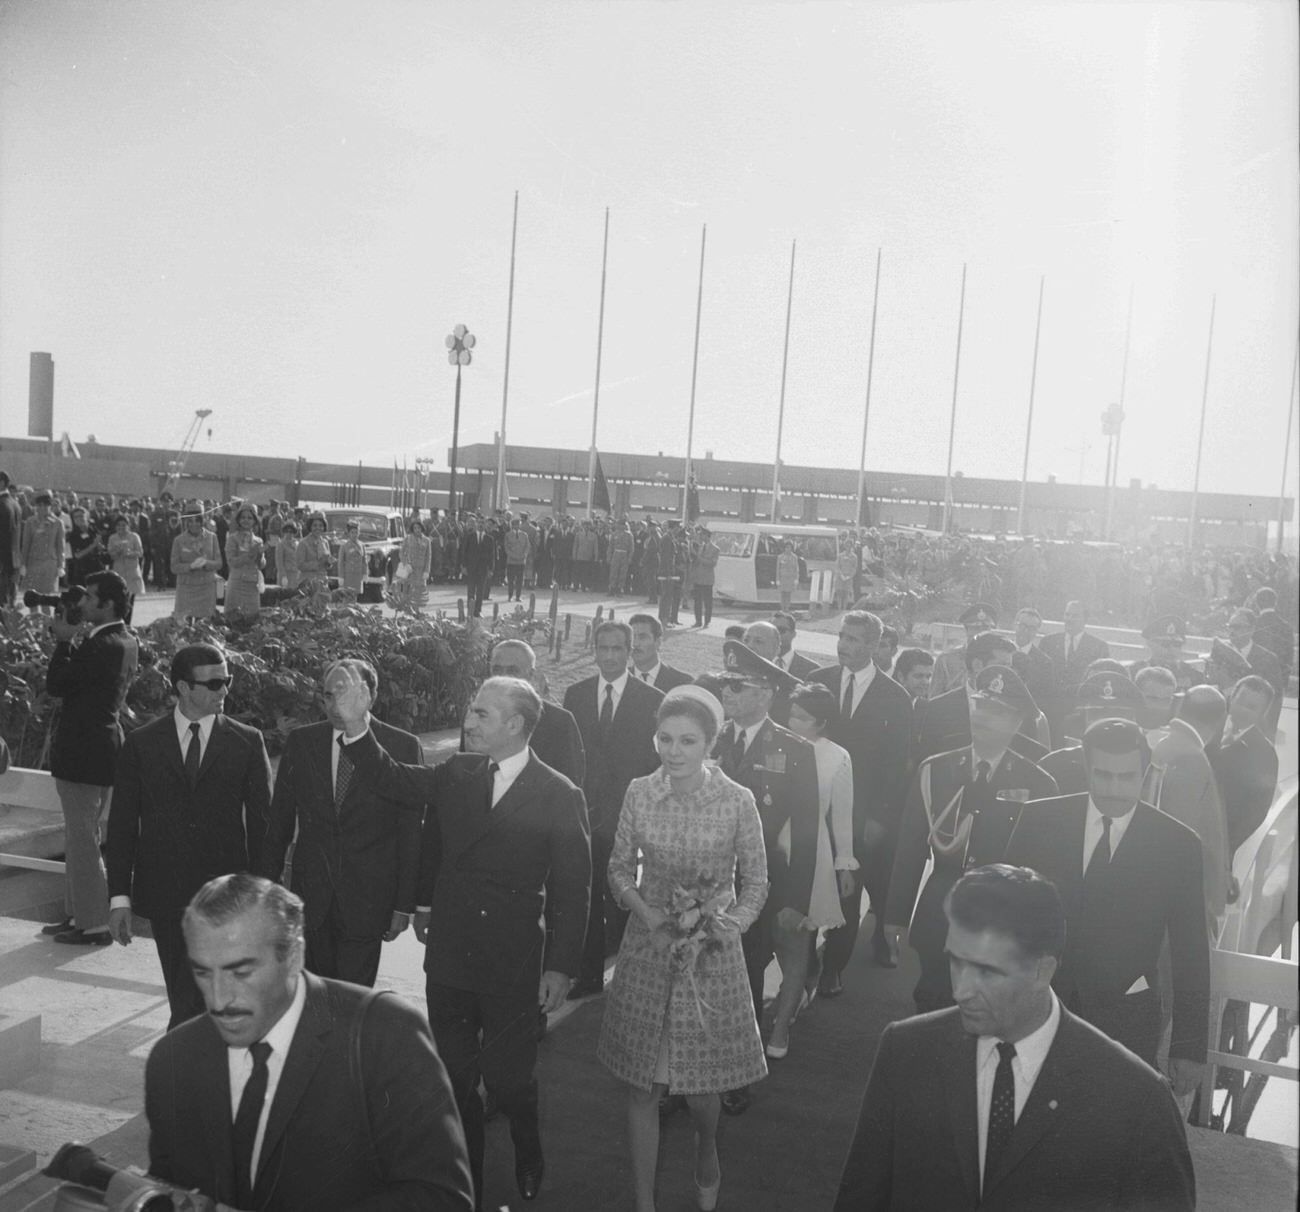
{"x":343,"y":779}
{"x":192,"y":754}
{"x":1002,"y":1111}
{"x":607,"y":708}
{"x":846,"y":708}
{"x":243,"y":1134}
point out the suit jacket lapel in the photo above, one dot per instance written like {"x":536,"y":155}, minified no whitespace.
{"x":213,"y":1073}
{"x":305,"y":1053}
{"x":216,"y":744}
{"x":518,"y":794}
{"x":959,"y":1084}
{"x":1047,"y":1101}
{"x":170,"y":745}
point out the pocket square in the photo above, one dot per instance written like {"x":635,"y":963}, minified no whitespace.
{"x":1138,"y":986}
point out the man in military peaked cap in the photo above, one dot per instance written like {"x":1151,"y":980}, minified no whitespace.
{"x":1102,"y":696}
{"x":1165,"y":638}
{"x":781,"y":771}
{"x":961,"y":809}
{"x":950,"y":667}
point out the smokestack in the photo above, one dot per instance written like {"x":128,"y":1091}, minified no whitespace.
{"x":40,"y":397}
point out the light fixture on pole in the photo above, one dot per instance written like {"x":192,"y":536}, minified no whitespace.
{"x":460,"y":342}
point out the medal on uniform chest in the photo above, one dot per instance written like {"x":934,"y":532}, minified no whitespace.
{"x":776,"y":762}
{"x":767,"y":799}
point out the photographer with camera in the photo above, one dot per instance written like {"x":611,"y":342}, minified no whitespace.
{"x":91,"y":677}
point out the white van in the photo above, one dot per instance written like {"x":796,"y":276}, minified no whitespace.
{"x":746,"y":572}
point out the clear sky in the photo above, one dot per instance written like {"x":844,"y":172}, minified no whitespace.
{"x":277,"y":209}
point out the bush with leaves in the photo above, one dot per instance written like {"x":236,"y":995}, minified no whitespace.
{"x":429,"y":668}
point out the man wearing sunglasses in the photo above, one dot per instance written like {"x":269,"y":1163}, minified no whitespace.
{"x":190,"y":802}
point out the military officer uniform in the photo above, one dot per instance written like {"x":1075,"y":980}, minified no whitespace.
{"x":957,"y":815}
{"x":950,"y":667}
{"x":1166,"y":636}
{"x":1102,"y":696}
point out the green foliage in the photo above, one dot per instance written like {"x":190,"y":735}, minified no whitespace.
{"x":429,"y":668}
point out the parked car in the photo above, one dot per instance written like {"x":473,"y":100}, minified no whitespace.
{"x":382,"y":532}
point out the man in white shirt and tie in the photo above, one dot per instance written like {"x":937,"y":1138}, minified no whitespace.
{"x":293,"y":1091}
{"x":1008,"y":1100}
{"x":647,"y":636}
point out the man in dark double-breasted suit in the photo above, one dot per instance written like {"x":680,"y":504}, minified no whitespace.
{"x":615,"y":713}
{"x":1008,"y":1102}
{"x":505,"y":872}
{"x":955,"y":817}
{"x":1130,"y":881}
{"x":190,"y":802}
{"x":1071,"y":652}
{"x":876,"y":730}
{"x":356,"y":855}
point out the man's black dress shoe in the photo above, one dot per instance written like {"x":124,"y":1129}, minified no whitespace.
{"x":57,"y":927}
{"x":529,"y":1177}
{"x":736,"y":1102}
{"x":80,"y":938}
{"x":830,"y":987}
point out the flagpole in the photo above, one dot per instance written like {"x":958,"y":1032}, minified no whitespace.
{"x":1286,"y":446}
{"x":595,"y":403}
{"x":866,"y":408}
{"x":695,"y":364}
{"x":780,"y":413}
{"x":503,"y":497}
{"x":1200,"y":435}
{"x":1029,"y":422}
{"x":1119,"y":422}
{"x":952,"y":422}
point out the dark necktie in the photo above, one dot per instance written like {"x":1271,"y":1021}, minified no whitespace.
{"x":607,"y":708}
{"x":492,"y":769}
{"x":737,"y":747}
{"x":343,"y":779}
{"x":192,"y":754}
{"x":982,"y":772}
{"x":846,"y":708}
{"x":244,"y":1133}
{"x":1095,"y":877}
{"x":1002,"y":1111}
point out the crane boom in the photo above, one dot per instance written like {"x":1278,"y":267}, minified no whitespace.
{"x":176,"y":468}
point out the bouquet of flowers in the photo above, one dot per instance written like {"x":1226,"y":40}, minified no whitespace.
{"x":699,"y":921}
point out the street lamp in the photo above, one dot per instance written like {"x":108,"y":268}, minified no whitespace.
{"x":460,"y":341}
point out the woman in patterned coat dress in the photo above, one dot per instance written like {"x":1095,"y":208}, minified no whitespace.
{"x":689,"y":1031}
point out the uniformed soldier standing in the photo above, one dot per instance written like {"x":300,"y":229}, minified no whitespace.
{"x":1102,"y":696}
{"x":781,"y":770}
{"x":961,"y":809}
{"x":950,"y":667}
{"x":1165,"y":638}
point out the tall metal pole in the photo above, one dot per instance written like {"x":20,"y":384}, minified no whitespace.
{"x":780,"y":412}
{"x":1029,"y":421}
{"x":455,"y":445}
{"x":1200,"y":435}
{"x":503,"y":495}
{"x":595,"y":402}
{"x":695,"y":365}
{"x":866,"y":408}
{"x":1123,"y":381}
{"x":952,"y":422}
{"x":1286,"y":446}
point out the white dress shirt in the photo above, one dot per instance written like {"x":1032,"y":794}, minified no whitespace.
{"x":240,"y":1062}
{"x":861,"y":681}
{"x":183,"y":723}
{"x":1093,"y":829}
{"x":1031,"y":1052}
{"x":508,"y":769}
{"x":334,"y":752}
{"x":648,"y":676}
{"x":619,"y":684}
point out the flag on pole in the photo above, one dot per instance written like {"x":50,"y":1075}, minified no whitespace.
{"x":692,"y":500}
{"x":600,"y":493}
{"x":68,"y":448}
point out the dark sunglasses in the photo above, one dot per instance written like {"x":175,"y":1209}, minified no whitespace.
{"x":736,"y":685}
{"x":213,"y":684}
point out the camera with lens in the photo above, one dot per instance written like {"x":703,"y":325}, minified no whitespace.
{"x":99,"y":1185}
{"x":66,"y":604}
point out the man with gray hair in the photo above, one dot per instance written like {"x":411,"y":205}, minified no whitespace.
{"x":357,"y":855}
{"x":556,"y":739}
{"x":337,"y":1095}
{"x":502,"y":893}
